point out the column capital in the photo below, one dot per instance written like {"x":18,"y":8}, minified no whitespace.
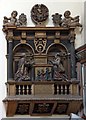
{"x":10,"y":40}
{"x":72,"y":36}
{"x":9,"y":36}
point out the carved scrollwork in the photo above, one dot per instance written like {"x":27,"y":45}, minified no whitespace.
{"x":40,"y":41}
{"x":40,"y":44}
{"x":42,"y":108}
{"x":22,"y":108}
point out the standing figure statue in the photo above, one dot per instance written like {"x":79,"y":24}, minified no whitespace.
{"x":38,"y":77}
{"x":58,"y":69}
{"x":42,"y":75}
{"x":23,"y":69}
{"x":48,"y":74}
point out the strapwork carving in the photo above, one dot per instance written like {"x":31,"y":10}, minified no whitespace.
{"x":40,"y":42}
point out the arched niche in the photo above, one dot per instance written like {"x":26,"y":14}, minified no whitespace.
{"x":17,"y":53}
{"x":58,"y":48}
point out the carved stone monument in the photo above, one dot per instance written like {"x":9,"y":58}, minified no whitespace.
{"x":41,"y":64}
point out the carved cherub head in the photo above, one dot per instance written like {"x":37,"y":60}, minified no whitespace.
{"x":67,"y":14}
{"x":14,"y":14}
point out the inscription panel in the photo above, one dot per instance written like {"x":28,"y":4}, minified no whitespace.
{"x":43,"y":89}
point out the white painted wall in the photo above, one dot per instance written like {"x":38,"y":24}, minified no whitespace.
{"x":24,"y":6}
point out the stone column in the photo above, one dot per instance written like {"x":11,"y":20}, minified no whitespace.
{"x":10,"y":61}
{"x":73,"y":57}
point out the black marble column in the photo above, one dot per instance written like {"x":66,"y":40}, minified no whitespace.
{"x":10,"y":61}
{"x":73,"y":57}
{"x":69,"y":62}
{"x":73,"y":61}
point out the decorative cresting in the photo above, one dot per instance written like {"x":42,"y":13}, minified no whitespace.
{"x":40,"y":41}
{"x":39,"y":13}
